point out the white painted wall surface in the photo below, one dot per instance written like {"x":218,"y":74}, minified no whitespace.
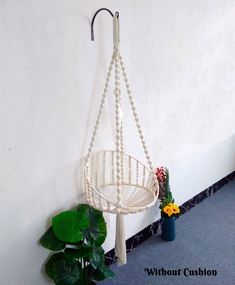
{"x":180,"y":57}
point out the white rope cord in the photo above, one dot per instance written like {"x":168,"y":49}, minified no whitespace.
{"x":119,"y":169}
{"x":117,"y":92}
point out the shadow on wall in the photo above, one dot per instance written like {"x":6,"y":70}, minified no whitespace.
{"x":101,"y":63}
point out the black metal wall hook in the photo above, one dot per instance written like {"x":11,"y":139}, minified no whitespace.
{"x":93,"y":20}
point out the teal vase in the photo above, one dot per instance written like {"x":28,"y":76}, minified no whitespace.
{"x":168,"y":228}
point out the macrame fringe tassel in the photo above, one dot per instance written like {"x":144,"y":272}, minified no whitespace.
{"x":120,"y":242}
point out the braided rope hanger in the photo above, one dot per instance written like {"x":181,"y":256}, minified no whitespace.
{"x":100,"y":174}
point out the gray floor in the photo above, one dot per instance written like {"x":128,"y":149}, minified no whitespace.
{"x":205,"y":239}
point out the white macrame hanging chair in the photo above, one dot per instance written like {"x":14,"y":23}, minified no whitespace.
{"x":116,"y":182}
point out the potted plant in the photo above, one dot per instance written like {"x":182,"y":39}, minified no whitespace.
{"x":169,"y":210}
{"x":76,"y":237}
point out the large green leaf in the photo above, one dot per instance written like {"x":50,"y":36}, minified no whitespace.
{"x":83,"y":251}
{"x":68,"y":226}
{"x":62,"y":271}
{"x":97,"y":259}
{"x":50,"y":241}
{"x":102,"y":273}
{"x":96,"y":232}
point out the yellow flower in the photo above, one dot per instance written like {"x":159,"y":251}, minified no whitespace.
{"x":175,"y":208}
{"x":168,"y":210}
{"x":171,"y":209}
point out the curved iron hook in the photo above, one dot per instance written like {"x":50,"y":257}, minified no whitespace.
{"x":93,"y":20}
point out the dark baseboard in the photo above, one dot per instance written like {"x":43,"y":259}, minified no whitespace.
{"x":155,"y":228}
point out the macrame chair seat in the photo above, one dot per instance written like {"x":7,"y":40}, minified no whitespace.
{"x":138,"y":189}
{"x":116,"y":182}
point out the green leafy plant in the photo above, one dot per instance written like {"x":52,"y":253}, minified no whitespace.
{"x":167,"y":200}
{"x":76,"y":237}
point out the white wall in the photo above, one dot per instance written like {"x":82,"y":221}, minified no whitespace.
{"x":180,"y":58}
